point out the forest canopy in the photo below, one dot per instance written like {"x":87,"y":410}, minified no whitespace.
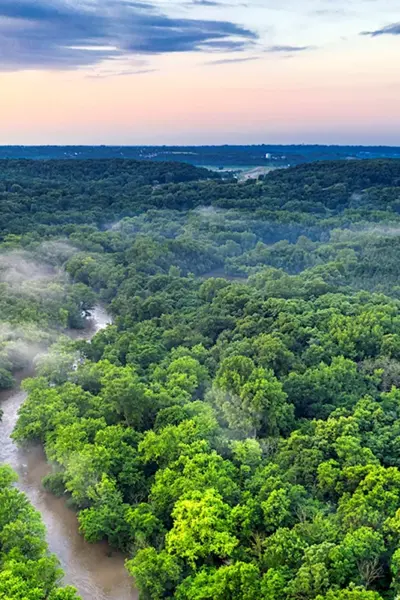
{"x":235,"y":430}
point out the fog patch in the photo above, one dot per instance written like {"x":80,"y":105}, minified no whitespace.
{"x":17,"y":267}
{"x":20,"y":344}
{"x":33,"y":289}
{"x":208,"y":211}
{"x":56,"y":251}
{"x":58,"y":362}
{"x":24,"y":275}
{"x":126,"y":226}
{"x":364,"y":231}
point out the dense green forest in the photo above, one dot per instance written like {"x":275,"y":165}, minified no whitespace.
{"x":235,"y":431}
{"x":28,"y":571}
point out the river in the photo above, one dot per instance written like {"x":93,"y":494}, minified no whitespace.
{"x":96,"y":572}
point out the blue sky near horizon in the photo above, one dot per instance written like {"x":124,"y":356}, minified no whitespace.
{"x":199,"y":71}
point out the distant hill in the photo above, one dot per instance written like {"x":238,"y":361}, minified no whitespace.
{"x":115,"y":170}
{"x":95,"y":191}
{"x":216,"y":157}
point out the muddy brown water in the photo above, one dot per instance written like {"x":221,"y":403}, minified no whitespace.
{"x":96,"y":571}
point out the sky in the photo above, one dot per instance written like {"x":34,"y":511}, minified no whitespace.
{"x":127,"y":72}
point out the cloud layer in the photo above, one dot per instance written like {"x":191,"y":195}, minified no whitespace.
{"x":63,"y":35}
{"x":393,"y":29}
{"x":285,"y":49}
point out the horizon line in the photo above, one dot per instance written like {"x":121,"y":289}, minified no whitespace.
{"x":290,"y":145}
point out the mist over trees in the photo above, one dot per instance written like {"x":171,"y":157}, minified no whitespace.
{"x":235,"y":430}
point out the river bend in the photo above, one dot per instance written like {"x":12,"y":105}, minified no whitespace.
{"x":96,"y":572}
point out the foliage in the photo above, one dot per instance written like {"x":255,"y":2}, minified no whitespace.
{"x":235,"y":431}
{"x":28,"y":571}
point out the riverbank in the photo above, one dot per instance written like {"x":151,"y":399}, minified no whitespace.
{"x":96,"y":572}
